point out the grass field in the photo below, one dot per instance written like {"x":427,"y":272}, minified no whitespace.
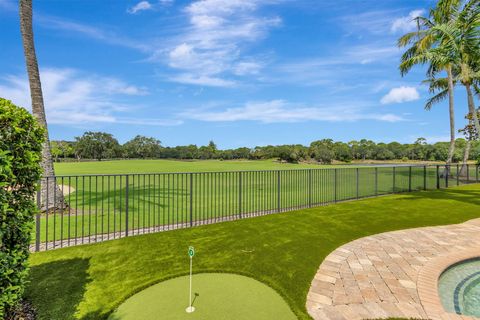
{"x":101,"y":204}
{"x":158,"y":166}
{"x":281,"y":250}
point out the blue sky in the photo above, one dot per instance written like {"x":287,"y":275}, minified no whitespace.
{"x":239,"y":72}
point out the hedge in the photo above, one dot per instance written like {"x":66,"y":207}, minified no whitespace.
{"x":20,"y":154}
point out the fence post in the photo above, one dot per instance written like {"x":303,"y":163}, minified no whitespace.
{"x":394,"y":178}
{"x":358,"y":185}
{"x":310,"y":188}
{"x":410,"y":179}
{"x":447,"y":171}
{"x":438,"y":176}
{"x":240,"y":194}
{"x":458,"y":176}
{"x":126,"y":205}
{"x":376,"y":181}
{"x":37,"y":217}
{"x":424,"y":177}
{"x":191,"y":199}
{"x":335,"y":183}
{"x":476,"y":172}
{"x":278,"y":192}
{"x":468,"y":174}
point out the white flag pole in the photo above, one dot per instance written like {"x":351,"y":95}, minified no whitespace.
{"x":190,"y":308}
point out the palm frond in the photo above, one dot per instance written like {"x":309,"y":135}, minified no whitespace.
{"x":439,"y":97}
{"x":436,"y":84}
{"x":476,"y":89}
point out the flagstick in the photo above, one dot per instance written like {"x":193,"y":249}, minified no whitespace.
{"x":190,"y":308}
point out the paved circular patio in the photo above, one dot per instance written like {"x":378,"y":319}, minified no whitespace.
{"x":377,"y":276}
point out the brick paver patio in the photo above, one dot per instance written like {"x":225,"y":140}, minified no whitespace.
{"x":376,"y":277}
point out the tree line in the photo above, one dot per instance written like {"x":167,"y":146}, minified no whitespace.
{"x":101,"y":146}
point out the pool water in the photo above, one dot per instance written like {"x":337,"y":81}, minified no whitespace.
{"x":459,"y":288}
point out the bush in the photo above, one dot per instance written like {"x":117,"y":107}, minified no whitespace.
{"x":20,"y":153}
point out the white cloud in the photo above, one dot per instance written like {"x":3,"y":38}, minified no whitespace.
{"x":141,"y":6}
{"x":280,"y":111}
{"x":243,"y":68}
{"x":187,"y":78}
{"x":52,"y":22}
{"x":375,"y":22}
{"x":211,"y":46}
{"x":407,"y":23}
{"x":74,"y":98}
{"x":400,"y":95}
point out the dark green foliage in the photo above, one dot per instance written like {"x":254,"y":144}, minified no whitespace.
{"x":20,"y":153}
{"x":322,"y":151}
{"x":97,"y":145}
{"x":100,"y":145}
{"x":142,"y":147}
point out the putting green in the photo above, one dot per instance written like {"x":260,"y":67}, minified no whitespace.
{"x":217,"y":296}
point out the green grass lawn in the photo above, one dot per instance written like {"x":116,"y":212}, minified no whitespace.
{"x":161,"y":165}
{"x":282,"y":250}
{"x":99,"y":203}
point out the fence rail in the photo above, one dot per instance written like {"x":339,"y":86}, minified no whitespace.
{"x":103,"y":207}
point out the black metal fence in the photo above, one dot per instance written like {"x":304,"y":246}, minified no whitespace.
{"x":103,"y":207}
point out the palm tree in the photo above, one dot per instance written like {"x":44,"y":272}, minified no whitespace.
{"x":426,"y":48}
{"x":439,"y":88}
{"x":461,"y":39}
{"x":38,"y":109}
{"x":447,"y":40}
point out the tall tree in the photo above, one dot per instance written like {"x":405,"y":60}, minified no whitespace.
{"x":427,"y":46}
{"x":461,"y":41}
{"x":38,"y":108}
{"x":460,"y":47}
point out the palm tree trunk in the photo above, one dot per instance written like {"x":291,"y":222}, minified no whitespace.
{"x":38,"y":109}
{"x":451,"y":109}
{"x":471,"y":108}
{"x":466,"y":155}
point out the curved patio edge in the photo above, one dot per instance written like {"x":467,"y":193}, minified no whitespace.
{"x":392,"y":274}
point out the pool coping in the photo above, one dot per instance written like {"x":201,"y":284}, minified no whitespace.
{"x":427,"y":283}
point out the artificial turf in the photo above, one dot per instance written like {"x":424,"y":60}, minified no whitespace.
{"x":216,"y":296}
{"x":281,"y":250}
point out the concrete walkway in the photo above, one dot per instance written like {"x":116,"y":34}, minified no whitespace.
{"x":376,"y":277}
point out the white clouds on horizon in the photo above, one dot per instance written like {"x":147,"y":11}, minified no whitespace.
{"x":400,"y":95}
{"x":73,"y":98}
{"x":407,"y":23}
{"x":280,"y":111}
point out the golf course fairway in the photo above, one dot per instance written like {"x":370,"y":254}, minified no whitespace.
{"x":216,"y":296}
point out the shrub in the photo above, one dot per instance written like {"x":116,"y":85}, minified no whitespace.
{"x":20,"y":153}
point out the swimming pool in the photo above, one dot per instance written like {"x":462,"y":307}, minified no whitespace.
{"x":459,"y":288}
